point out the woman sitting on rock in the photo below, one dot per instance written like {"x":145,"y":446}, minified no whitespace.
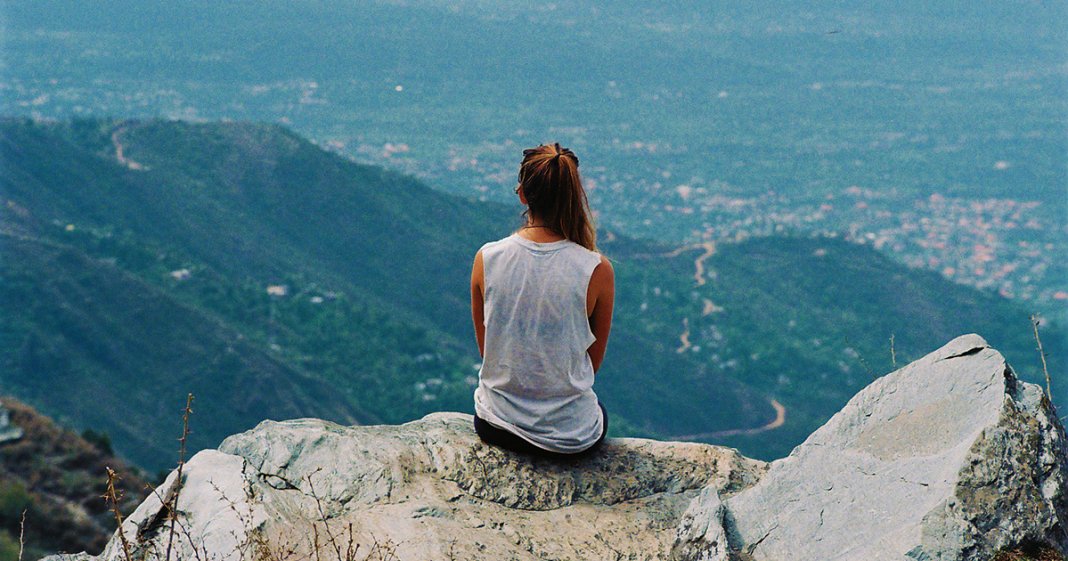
{"x":541,"y":300}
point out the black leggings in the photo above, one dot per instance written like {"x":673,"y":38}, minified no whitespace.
{"x":500,"y":437}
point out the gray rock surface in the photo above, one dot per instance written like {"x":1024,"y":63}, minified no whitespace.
{"x":8,"y":431}
{"x":218,"y":512}
{"x":428,"y":489}
{"x":701,"y":536}
{"x":948,"y":458}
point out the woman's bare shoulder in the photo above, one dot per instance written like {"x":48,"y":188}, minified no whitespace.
{"x":603,"y":273}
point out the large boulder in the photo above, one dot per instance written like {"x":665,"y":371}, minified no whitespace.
{"x":429,"y":489}
{"x":948,"y":458}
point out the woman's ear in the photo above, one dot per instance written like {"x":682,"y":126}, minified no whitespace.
{"x":522,"y":197}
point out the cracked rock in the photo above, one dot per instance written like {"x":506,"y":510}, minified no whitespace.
{"x":948,"y":458}
{"x":398,"y":491}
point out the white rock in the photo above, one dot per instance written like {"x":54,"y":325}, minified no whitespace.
{"x":8,"y":431}
{"x":701,"y":536}
{"x":430,"y":489}
{"x":949,"y":458}
{"x":217,"y":516}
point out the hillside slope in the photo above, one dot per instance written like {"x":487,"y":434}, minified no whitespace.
{"x":58,"y":479}
{"x":149,"y":273}
{"x":106,"y":350}
{"x":375,"y":268}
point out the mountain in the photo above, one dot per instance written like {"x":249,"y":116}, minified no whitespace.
{"x":375,"y":264}
{"x":273,"y":279}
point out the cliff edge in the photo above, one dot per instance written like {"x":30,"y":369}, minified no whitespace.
{"x":948,"y":458}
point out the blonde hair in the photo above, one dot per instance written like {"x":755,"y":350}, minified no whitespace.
{"x":550,"y":181}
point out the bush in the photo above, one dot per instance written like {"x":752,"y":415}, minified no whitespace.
{"x":14,"y":500}
{"x":9,"y":546}
{"x":100,"y":440}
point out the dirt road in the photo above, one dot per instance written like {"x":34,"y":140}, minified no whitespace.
{"x":117,"y":143}
{"x":699,"y":262}
{"x":780,"y":420}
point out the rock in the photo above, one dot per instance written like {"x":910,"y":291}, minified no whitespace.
{"x":218,"y":515}
{"x":8,"y":430}
{"x":83,"y":556}
{"x":701,"y":535}
{"x":429,"y":489}
{"x":948,"y":458}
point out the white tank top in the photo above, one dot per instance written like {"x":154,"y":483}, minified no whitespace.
{"x":536,"y":379}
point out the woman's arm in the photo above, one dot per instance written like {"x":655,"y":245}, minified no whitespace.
{"x":600,"y":297}
{"x":477,"y":282}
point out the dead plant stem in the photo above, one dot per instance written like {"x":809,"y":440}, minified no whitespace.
{"x":112,"y":497}
{"x":1041,"y":353}
{"x":323,"y":517}
{"x":22,"y":535}
{"x":172,"y":509}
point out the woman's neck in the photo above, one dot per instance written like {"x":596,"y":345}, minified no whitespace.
{"x":535,"y":230}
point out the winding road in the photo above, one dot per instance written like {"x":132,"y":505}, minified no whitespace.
{"x":685,"y":345}
{"x":684,"y":339}
{"x":780,"y":419}
{"x":117,"y":143}
{"x":699,"y":263}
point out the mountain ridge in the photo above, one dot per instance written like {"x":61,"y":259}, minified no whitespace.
{"x":378,"y":312}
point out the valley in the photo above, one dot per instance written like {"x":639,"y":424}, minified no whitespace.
{"x":274,"y":279}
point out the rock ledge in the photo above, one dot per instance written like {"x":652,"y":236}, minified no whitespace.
{"x":948,"y":458}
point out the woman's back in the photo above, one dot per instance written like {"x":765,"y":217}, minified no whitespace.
{"x":537,"y":377}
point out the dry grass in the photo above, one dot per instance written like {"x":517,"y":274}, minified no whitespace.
{"x":113,"y":496}
{"x":22,"y":535}
{"x":172,"y":506}
{"x":1030,"y":553}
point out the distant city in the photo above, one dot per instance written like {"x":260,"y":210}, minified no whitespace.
{"x":949,"y":155}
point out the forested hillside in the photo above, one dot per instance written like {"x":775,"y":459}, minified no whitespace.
{"x":273,"y":279}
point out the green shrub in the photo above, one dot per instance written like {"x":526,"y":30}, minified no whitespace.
{"x":9,"y":546}
{"x":14,"y":500}
{"x":100,"y":440}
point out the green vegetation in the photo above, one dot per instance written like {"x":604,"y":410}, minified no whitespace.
{"x":100,"y":440}
{"x":14,"y":500}
{"x":57,"y":479}
{"x":9,"y":546}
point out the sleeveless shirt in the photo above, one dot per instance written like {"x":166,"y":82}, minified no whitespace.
{"x":536,"y":379}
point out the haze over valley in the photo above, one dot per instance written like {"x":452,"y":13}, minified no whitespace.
{"x":933,"y":133}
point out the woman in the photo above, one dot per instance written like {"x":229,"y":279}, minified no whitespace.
{"x":541,"y":300}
